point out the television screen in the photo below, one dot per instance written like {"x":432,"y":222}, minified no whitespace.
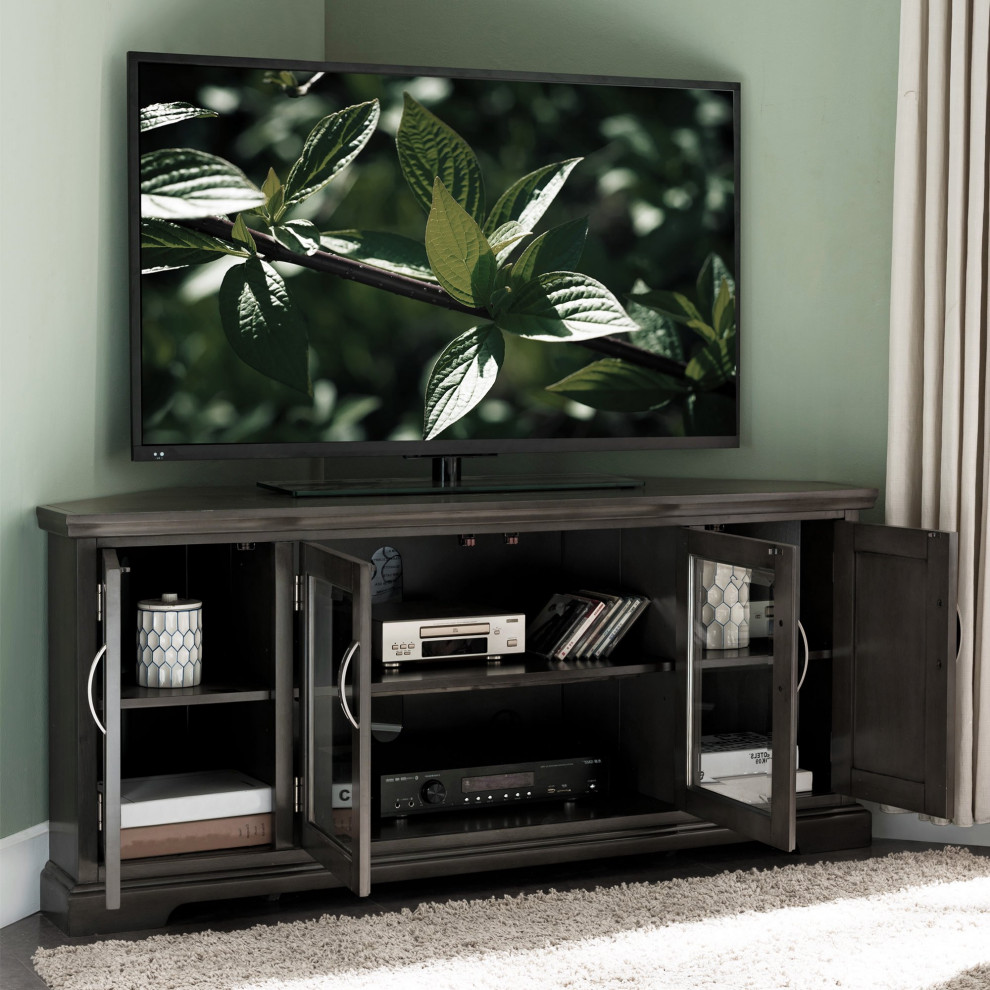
{"x":353,"y":259}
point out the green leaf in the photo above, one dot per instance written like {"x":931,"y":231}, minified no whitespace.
{"x":724,"y":311}
{"x":714,"y":364}
{"x":262,"y":324}
{"x":678,"y":307}
{"x":165,"y":246}
{"x":183,"y":183}
{"x":709,"y":283}
{"x":618,"y":386}
{"x":462,"y":377}
{"x":557,"y":250}
{"x":163,"y":114}
{"x":274,"y":193}
{"x":382,"y":249}
{"x":657,"y":333}
{"x":527,"y":199}
{"x":285,"y":79}
{"x":429,"y":149}
{"x":459,"y":253}
{"x":564,"y":306}
{"x":300,"y":236}
{"x":504,"y":240}
{"x":332,"y":144}
{"x":240,"y":234}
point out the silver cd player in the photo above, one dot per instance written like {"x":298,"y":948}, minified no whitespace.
{"x":416,"y":632}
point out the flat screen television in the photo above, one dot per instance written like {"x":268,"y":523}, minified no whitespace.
{"x":335,"y":259}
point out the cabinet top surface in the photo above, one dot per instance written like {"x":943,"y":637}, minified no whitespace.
{"x":247,"y":510}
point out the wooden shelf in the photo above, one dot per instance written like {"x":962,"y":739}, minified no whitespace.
{"x":528,"y":671}
{"x":758,"y":654}
{"x":133,"y":696}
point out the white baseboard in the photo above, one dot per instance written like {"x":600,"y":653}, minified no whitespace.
{"x":909,"y":826}
{"x":22,"y":858}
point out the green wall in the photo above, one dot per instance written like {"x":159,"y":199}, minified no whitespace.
{"x":818,"y":91}
{"x":63,"y":292}
{"x":819,"y":83}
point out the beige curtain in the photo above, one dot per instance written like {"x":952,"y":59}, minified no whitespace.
{"x":938,"y":448}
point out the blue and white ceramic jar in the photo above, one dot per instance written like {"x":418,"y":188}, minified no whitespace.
{"x":170,"y":642}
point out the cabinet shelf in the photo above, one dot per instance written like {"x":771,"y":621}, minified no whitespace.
{"x":758,"y":654}
{"x":133,"y":696}
{"x":529,"y":671}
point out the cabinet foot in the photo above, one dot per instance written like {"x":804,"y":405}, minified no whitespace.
{"x":828,"y":830}
{"x":80,"y":909}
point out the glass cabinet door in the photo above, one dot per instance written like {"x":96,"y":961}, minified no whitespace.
{"x":111,"y":724}
{"x":737,"y":729}
{"x":336,"y":713}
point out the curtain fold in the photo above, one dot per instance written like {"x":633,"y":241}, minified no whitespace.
{"x":938,"y":448}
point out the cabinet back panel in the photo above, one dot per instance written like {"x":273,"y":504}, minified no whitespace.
{"x":491,"y":573}
{"x":200,"y":737}
{"x":236,"y":588}
{"x":503,"y":726}
{"x":495,"y":718}
{"x":648,"y":566}
{"x":647,"y":738}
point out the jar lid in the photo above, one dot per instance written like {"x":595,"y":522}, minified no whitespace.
{"x":169,"y":602}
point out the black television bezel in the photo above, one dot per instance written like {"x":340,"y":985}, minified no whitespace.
{"x":437,"y":448}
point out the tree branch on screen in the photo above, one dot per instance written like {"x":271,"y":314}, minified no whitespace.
{"x":490,"y":265}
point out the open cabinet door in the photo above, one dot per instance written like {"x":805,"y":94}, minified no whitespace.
{"x":894,"y":666}
{"x":336,"y":713}
{"x":733,"y":690}
{"x":111,"y":726}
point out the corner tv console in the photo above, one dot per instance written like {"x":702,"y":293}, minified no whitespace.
{"x":292,"y":696}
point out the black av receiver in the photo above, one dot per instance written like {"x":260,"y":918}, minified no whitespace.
{"x":470,"y":788}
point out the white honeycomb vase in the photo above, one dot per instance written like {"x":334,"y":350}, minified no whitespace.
{"x":725,"y":612}
{"x":170,"y":642}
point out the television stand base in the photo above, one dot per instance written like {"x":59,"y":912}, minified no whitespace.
{"x":479,"y":485}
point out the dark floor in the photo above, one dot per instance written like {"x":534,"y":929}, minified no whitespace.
{"x":19,"y":940}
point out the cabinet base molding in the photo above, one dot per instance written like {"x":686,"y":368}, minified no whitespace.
{"x":80,"y":909}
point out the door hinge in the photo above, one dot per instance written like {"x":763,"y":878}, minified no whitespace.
{"x":99,"y":602}
{"x":297,"y":795}
{"x":99,"y":811}
{"x":297,"y":603}
{"x":774,"y":551}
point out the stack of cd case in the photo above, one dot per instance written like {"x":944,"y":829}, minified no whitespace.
{"x":583,"y":625}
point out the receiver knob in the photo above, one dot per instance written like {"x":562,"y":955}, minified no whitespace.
{"x":433,"y":792}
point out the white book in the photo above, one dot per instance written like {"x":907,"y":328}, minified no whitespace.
{"x":754,"y":788}
{"x":191,"y":797}
{"x":733,"y":754}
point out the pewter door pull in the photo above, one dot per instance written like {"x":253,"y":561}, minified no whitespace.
{"x":348,"y":656}
{"x":89,"y":687}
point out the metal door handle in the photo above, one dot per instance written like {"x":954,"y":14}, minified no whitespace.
{"x":345,"y":663}
{"x":89,"y":687}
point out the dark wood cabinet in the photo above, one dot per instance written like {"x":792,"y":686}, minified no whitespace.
{"x":293,"y":696}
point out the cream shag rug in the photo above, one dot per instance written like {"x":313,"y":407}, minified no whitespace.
{"x":910,"y":921}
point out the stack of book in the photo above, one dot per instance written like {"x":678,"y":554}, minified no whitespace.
{"x":170,"y":814}
{"x":740,"y":765}
{"x":586,"y":625}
